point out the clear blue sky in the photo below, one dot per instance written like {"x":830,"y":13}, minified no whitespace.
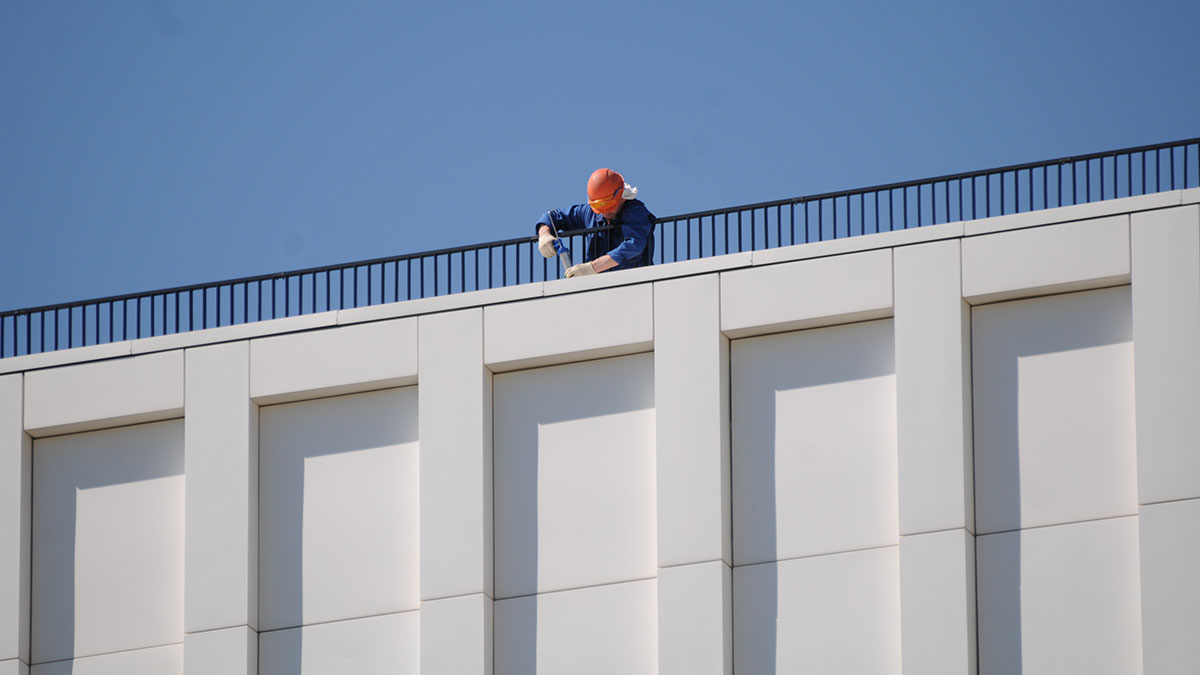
{"x":154,"y":143}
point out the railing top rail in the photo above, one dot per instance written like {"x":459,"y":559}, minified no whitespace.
{"x":936,"y":179}
{"x":338,"y":267}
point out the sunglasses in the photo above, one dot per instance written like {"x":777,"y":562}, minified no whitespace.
{"x":605,"y":204}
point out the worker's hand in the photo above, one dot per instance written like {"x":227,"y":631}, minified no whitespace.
{"x":546,"y":243}
{"x":580,"y":270}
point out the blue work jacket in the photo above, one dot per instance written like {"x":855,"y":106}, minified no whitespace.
{"x":631,"y":243}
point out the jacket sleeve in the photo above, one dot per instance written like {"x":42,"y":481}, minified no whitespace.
{"x":557,"y":220}
{"x":636,"y":226}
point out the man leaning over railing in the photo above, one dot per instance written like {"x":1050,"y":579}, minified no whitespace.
{"x":611,"y":201}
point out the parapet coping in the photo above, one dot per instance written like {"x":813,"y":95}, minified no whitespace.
{"x":530,"y":291}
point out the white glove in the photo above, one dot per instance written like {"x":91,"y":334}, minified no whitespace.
{"x":546,"y":244}
{"x":580,"y":270}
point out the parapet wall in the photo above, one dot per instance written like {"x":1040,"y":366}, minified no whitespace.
{"x":970,"y":447}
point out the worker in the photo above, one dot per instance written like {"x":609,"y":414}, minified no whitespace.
{"x":611,"y":201}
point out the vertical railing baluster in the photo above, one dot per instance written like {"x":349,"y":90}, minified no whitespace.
{"x":1158,"y":170}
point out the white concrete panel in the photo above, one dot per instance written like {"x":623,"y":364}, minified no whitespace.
{"x":691,"y":405}
{"x":456,"y":635}
{"x":574,"y":471}
{"x":14,"y":667}
{"x":335,"y":361}
{"x":656,"y":272}
{"x":16,"y":490}
{"x":381,"y":645}
{"x":805,"y":294}
{"x":570,"y":328}
{"x":165,"y":660}
{"x":456,"y":457}
{"x":338,"y":508}
{"x":1075,"y":212}
{"x":1170,"y":557}
{"x":243,"y":331}
{"x":29,"y":362}
{"x":231,"y":651}
{"x":814,"y":442}
{"x":1060,"y":600}
{"x":695,"y":619}
{"x":108,"y":537}
{"x":590,"y":631}
{"x":867,"y":242}
{"x":1054,"y":410}
{"x":933,"y":385}
{"x":442,"y":303}
{"x":1166,"y":329}
{"x":105,"y":394}
{"x":937,"y":603}
{"x":1052,"y":259}
{"x":827,"y":614}
{"x":221,"y":464}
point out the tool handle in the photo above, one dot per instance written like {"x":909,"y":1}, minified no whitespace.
{"x":564,"y":253}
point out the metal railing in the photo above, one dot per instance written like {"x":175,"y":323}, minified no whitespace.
{"x":963,"y":196}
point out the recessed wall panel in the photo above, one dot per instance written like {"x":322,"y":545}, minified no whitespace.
{"x":379,"y":645}
{"x":588,"y":631}
{"x":338,"y":510}
{"x":574,"y":475}
{"x":108,"y":541}
{"x":814,"y":442}
{"x":1054,"y":410}
{"x":1061,"y":599}
{"x":825,"y":614}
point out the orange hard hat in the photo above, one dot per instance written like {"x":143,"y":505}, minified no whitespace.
{"x":604,"y":190}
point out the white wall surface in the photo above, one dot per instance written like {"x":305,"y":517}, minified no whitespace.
{"x":814,"y":442}
{"x":574,"y":476}
{"x":1054,"y":410}
{"x":16,"y":501}
{"x":967,"y":448}
{"x":371,"y":646}
{"x":108,"y":541}
{"x":338,"y":509}
{"x":1061,"y":599}
{"x":827,"y":614}
{"x":589,"y":631}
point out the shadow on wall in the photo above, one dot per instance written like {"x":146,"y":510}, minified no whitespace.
{"x":812,"y":412}
{"x":570,"y":503}
{"x":108,"y":541}
{"x":1033,"y":403}
{"x":337,"y":515}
